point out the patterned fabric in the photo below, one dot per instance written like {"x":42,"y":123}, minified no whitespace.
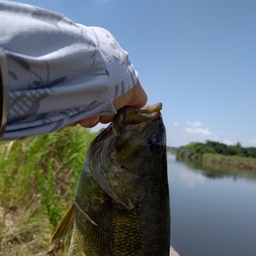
{"x":59,"y":72}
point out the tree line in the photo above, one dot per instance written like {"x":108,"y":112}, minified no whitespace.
{"x":214,"y":147}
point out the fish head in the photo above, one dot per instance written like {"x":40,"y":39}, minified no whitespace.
{"x":128,"y":159}
{"x":138,"y":139}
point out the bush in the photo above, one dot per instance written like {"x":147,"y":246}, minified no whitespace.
{"x":205,"y":150}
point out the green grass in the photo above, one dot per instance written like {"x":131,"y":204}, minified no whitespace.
{"x":38,"y":178}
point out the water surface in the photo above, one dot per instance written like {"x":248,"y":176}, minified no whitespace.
{"x":213,"y":214}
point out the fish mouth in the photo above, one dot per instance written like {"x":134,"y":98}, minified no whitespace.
{"x":145,"y":114}
{"x":152,"y":109}
{"x":139,"y":117}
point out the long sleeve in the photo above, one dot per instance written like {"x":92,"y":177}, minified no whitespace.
{"x":58,"y":72}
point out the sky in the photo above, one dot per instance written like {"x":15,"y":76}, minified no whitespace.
{"x":197,"y":57}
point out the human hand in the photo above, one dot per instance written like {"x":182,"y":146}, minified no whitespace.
{"x":136,"y":98}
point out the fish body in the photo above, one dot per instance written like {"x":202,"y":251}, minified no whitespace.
{"x":122,"y":198}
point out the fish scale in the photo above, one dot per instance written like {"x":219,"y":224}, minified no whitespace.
{"x":127,"y":230}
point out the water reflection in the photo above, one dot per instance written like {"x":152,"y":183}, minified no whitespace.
{"x":213,"y":213}
{"x":191,"y":180}
{"x":216,"y":172}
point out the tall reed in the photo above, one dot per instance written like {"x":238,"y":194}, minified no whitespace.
{"x":38,"y":178}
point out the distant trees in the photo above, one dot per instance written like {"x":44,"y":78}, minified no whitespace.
{"x":250,"y":152}
{"x":214,"y":147}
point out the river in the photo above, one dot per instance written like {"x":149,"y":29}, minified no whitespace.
{"x":212,"y":214}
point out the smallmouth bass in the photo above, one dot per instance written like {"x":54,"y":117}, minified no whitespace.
{"x":121,"y":205}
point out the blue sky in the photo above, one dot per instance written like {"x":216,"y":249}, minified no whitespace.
{"x":197,"y":57}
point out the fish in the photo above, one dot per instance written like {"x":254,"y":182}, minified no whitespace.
{"x":122,"y":205}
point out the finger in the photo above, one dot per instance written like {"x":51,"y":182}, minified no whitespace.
{"x":136,"y":97}
{"x":106,"y":119}
{"x":72,"y":125}
{"x":139,"y":98}
{"x":90,"y":122}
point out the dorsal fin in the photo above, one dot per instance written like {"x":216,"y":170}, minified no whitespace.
{"x":65,"y":226}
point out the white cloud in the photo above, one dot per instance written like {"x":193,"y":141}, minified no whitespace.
{"x":196,"y":128}
{"x":174,"y":124}
{"x":194,"y":124}
{"x":253,"y":141}
{"x":228,"y":142}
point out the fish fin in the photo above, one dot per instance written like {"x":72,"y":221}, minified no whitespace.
{"x":130,"y":189}
{"x":123,"y":187}
{"x":65,"y":226}
{"x":84,"y":213}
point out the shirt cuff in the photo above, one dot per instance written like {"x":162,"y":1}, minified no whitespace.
{"x":4,"y":92}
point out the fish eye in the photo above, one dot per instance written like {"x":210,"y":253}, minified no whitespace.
{"x":154,"y":144}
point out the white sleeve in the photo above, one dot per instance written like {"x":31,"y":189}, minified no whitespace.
{"x":59,"y":72}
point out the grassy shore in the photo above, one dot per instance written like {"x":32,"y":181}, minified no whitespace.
{"x":237,"y":163}
{"x":38,"y":178}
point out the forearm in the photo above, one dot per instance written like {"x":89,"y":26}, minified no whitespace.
{"x":59,"y":72}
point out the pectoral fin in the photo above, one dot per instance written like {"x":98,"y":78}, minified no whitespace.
{"x":84,"y":213}
{"x":123,"y":187}
{"x":65,"y":226}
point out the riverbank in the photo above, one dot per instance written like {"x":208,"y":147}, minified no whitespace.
{"x":219,"y":161}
